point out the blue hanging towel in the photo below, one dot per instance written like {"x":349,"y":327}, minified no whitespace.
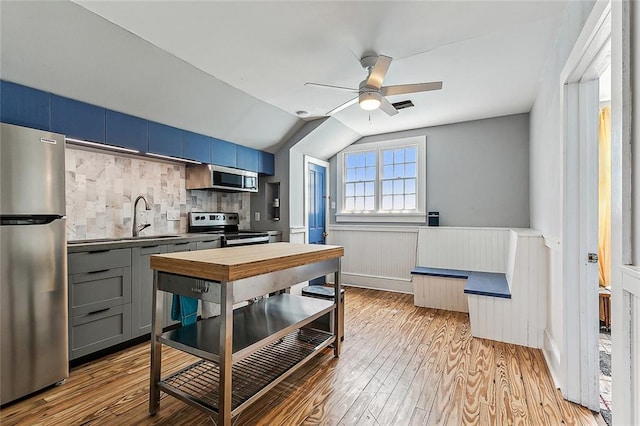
{"x":184,"y":309}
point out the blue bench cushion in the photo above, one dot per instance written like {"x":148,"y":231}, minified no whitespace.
{"x":440,"y":272}
{"x":481,"y":283}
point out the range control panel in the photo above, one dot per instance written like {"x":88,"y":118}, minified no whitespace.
{"x":197,"y":219}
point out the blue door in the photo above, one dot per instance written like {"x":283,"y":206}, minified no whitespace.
{"x":317,"y":192}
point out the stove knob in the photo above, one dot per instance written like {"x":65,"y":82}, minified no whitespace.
{"x":211,"y":217}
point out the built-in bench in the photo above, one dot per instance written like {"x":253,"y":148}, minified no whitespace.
{"x":497,"y":275}
{"x":442,"y":293}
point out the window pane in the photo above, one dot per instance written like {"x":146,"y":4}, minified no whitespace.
{"x":360,"y":173}
{"x":370,"y":173}
{"x":410,"y":170}
{"x":351,"y":175}
{"x":387,"y":203}
{"x":359,"y":189}
{"x":387,"y":172}
{"x":410,"y":186}
{"x":410,"y":155}
{"x":359,"y":203}
{"x":370,"y":159}
{"x":387,"y":187}
{"x":398,"y":202}
{"x":360,"y":159}
{"x":398,"y":155}
{"x":387,"y":157}
{"x":369,"y":189}
{"x":398,"y":187}
{"x":349,"y":190}
{"x":410,"y":202}
{"x":398,"y":170}
{"x":349,"y":203}
{"x":350,"y":159}
{"x":369,"y":203}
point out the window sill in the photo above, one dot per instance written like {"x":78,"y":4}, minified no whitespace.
{"x":382,"y":217}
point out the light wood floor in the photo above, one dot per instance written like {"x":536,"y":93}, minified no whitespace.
{"x":401,"y":365}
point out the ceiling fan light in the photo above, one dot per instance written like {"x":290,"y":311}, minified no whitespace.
{"x":369,"y":100}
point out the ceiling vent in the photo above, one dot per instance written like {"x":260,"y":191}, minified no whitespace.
{"x":403,"y":104}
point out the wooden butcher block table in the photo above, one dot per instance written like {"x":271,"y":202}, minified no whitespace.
{"x":247,"y":351}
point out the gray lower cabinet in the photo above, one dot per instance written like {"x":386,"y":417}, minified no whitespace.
{"x":206,"y":245}
{"x":142,"y":296}
{"x":142,"y":275}
{"x":99,"y":300}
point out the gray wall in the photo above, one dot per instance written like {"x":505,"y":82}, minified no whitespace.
{"x":477,"y":171}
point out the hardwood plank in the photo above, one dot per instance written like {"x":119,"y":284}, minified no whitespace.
{"x":419,"y":364}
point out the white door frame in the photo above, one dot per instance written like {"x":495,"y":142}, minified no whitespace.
{"x":580,"y":356}
{"x":308,"y":159}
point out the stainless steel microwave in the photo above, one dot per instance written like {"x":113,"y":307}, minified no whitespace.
{"x":208,"y":176}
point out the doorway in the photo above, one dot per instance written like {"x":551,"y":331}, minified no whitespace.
{"x":316,"y":185}
{"x":588,"y":61}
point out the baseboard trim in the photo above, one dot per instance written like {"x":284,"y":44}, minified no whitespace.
{"x":378,"y":283}
{"x":552,"y":357}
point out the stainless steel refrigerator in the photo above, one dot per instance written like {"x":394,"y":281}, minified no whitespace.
{"x":33,"y":262}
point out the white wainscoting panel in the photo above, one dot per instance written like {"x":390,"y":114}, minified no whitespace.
{"x":631,"y":293}
{"x":521,"y":319}
{"x":440,"y":293}
{"x":380,"y":258}
{"x":475,"y":249}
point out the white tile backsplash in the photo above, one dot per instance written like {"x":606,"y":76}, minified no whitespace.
{"x":101,"y":188}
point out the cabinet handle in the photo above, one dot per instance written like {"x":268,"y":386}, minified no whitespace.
{"x":99,"y":251}
{"x":98,"y":272}
{"x":98,"y":311}
{"x":182,"y":244}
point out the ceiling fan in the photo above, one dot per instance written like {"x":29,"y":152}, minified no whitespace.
{"x":371,"y":92}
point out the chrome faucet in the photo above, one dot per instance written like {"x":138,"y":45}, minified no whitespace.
{"x":137,"y":229}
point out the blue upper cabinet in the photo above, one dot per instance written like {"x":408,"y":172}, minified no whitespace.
{"x":196,"y":147}
{"x":267,"y":163}
{"x":248,"y":158}
{"x":77,"y":119}
{"x":24,"y":106}
{"x":224,"y":153}
{"x":165,"y":140}
{"x":127,"y":131}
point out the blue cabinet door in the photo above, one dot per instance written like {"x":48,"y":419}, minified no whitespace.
{"x":24,"y":106}
{"x":165,"y":140}
{"x":127,"y":131}
{"x":77,"y":119}
{"x":196,"y":147}
{"x":248,"y":158}
{"x":267,"y":163}
{"x":224,"y":153}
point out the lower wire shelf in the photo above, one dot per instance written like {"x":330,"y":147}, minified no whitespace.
{"x":198,"y":383}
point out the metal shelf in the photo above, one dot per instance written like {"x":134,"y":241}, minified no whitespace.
{"x":254,"y":326}
{"x":198,"y":383}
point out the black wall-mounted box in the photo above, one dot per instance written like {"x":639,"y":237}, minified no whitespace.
{"x":433,"y":218}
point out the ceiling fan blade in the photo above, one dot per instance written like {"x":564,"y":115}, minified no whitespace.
{"x":402,"y":89}
{"x":386,"y":106}
{"x":329,"y":86}
{"x":343,"y":106}
{"x":379,"y":71}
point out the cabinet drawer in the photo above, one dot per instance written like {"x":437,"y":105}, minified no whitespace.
{"x":205,"y":245}
{"x":94,"y":291}
{"x":99,"y":260}
{"x":90,"y":333}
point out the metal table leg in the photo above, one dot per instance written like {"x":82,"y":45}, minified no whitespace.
{"x":156,"y":347}
{"x":226,"y":351}
{"x":337,"y":317}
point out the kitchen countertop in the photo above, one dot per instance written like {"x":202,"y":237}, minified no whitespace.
{"x":142,"y":241}
{"x":235,"y":263}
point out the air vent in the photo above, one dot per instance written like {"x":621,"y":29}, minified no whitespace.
{"x":403,"y":104}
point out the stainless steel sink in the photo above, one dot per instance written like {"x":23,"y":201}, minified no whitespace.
{"x":113,"y":240}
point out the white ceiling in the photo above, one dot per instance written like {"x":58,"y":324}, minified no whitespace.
{"x":490,"y":55}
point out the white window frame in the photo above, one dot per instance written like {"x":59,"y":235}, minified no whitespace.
{"x":419,"y":216}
